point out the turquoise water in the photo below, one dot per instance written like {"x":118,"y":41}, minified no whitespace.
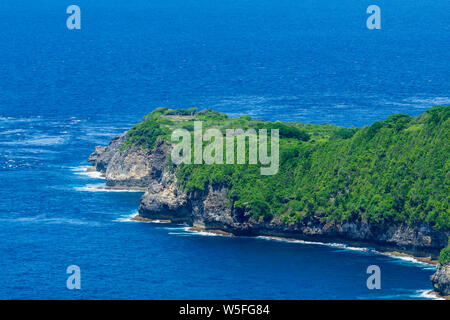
{"x":64,"y":92}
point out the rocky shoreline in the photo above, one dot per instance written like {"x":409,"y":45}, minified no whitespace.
{"x":212,"y":211}
{"x":441,"y":281}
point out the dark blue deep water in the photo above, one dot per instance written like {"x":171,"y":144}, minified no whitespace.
{"x":64,"y":92}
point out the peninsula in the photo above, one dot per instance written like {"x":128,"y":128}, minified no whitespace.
{"x":385,"y":185}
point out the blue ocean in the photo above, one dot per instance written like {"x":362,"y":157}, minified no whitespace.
{"x":62,"y":92}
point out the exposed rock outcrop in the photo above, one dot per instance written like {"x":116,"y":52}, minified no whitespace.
{"x":102,"y":155}
{"x":136,"y":167}
{"x":441,"y":280}
{"x":131,"y":167}
{"x":165,"y":201}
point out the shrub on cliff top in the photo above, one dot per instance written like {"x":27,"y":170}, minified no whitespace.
{"x":145,"y":133}
{"x":444,"y":257}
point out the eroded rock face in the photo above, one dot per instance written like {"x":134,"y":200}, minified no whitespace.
{"x":102,"y":155}
{"x":441,"y":280}
{"x":136,"y":167}
{"x":93,"y":158}
{"x":165,"y":201}
{"x":212,"y":209}
{"x":132,"y":167}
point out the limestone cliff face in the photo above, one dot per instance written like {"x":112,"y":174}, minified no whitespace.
{"x":164,"y":200}
{"x":135,"y":167}
{"x":441,"y":280}
{"x":212,"y":208}
{"x":102,"y":155}
{"x":132,"y":167}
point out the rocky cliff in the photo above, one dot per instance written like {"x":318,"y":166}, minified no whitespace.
{"x":441,"y":280}
{"x":102,"y":155}
{"x":131,"y":167}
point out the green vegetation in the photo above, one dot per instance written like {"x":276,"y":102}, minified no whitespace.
{"x":145,"y":133}
{"x":444,"y":257}
{"x":395,"y":170}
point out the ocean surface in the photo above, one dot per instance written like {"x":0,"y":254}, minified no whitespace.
{"x":62,"y":92}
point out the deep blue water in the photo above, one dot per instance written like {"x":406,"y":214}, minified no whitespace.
{"x":63,"y":92}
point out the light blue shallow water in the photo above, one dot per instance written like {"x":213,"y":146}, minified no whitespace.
{"x":63,"y":92}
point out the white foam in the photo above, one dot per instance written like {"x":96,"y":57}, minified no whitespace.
{"x":204,"y":233}
{"x":83,"y":171}
{"x":187,"y":231}
{"x":127,"y":217}
{"x":331,"y":244}
{"x":130,"y":218}
{"x":156,"y":221}
{"x":412,"y":260}
{"x":404,"y":259}
{"x":101,"y":188}
{"x":428,"y":294}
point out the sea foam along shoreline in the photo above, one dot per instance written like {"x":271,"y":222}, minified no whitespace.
{"x":419,"y":261}
{"x":424,"y":262}
{"x":87,"y":171}
{"x":90,"y":172}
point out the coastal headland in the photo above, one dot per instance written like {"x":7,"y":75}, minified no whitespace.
{"x":384,"y":185}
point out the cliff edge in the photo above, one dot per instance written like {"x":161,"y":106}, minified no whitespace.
{"x":441,"y":280}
